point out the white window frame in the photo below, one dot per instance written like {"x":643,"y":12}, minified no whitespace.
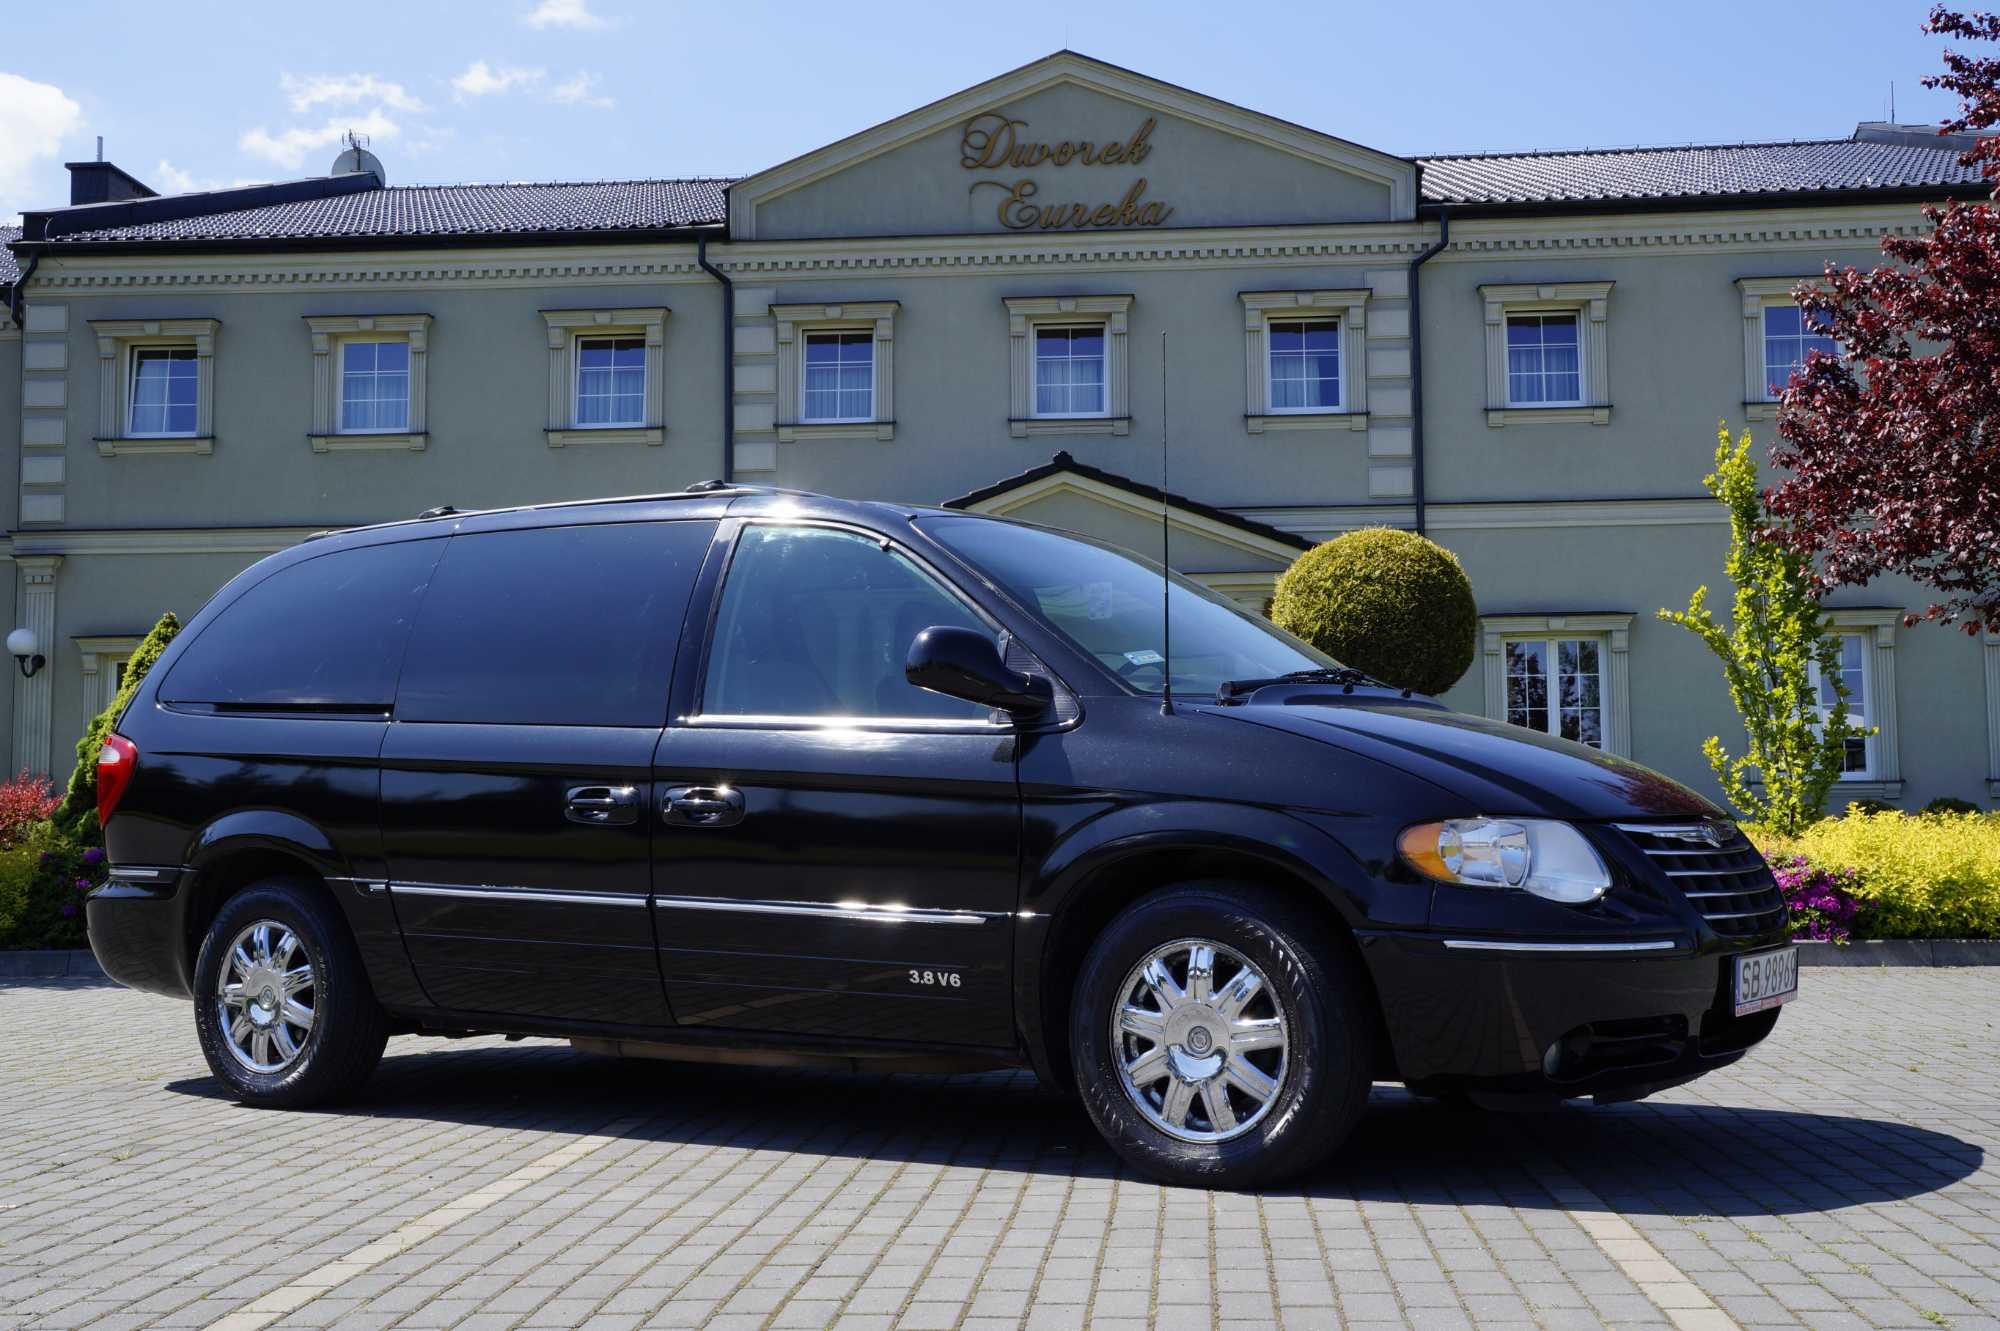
{"x":806,"y":339}
{"x":348,"y":344}
{"x":117,"y":340}
{"x":794,"y":323}
{"x":330,"y":335}
{"x":582,"y":341}
{"x":1026,"y":315}
{"x":103,"y":658}
{"x":1346,"y":307}
{"x":1613,"y":632}
{"x":133,"y":354}
{"x":1104,"y":364}
{"x":567,"y":330}
{"x":1590,"y":302}
{"x":1759,"y":294}
{"x":1876,"y":627}
{"x":1864,"y":699}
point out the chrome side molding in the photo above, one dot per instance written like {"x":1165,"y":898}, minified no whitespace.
{"x":530,"y":895}
{"x":863,"y":911}
{"x":1496,"y":945}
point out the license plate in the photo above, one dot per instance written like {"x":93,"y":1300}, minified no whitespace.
{"x":1766,"y":979}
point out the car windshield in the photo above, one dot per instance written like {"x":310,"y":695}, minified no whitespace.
{"x":1107,"y":602}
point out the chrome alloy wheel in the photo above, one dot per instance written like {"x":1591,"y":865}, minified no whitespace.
{"x":264,"y":1003}
{"x":1200,"y":1041}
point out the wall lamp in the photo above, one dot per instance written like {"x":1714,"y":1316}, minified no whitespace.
{"x":22,"y":643}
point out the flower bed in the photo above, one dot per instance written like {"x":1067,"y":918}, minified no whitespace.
{"x":1886,"y":874}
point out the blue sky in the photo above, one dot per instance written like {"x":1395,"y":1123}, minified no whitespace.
{"x":197,"y":94}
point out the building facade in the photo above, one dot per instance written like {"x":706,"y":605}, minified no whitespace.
{"x":1071,"y":294}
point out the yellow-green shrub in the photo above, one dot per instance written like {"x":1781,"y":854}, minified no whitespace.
{"x":17,"y":873}
{"x":1936,"y":875}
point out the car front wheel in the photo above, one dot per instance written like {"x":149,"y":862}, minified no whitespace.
{"x":1221,"y":1036}
{"x":282,"y":1005}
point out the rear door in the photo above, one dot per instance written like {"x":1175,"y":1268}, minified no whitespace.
{"x":516,"y":776}
{"x":838,"y":849}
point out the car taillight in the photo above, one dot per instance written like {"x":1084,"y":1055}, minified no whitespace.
{"x":116,"y":762}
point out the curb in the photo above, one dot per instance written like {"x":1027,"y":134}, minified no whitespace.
{"x":77,"y":964}
{"x":1901,"y":952}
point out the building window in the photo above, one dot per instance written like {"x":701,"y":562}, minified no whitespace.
{"x":165,"y":392}
{"x":1789,"y":338}
{"x":610,"y":381}
{"x":839,"y":378}
{"x":156,"y":380}
{"x":369,"y":381}
{"x":836,"y":370}
{"x":374,"y":387}
{"x":1304,"y":360}
{"x":1069,"y":371}
{"x":1563,"y":675}
{"x":1857,"y":763}
{"x":104,"y":660}
{"x":1556,"y":686}
{"x":1547,"y":358}
{"x":1305,"y":364}
{"x":1543,"y":366}
{"x":1067,"y":366}
{"x":606,"y":376}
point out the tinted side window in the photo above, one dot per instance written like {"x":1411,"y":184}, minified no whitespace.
{"x":816,"y":622}
{"x":556,"y":626}
{"x":328,"y":631}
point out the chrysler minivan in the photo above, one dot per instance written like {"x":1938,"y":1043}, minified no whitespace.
{"x":758,"y":776}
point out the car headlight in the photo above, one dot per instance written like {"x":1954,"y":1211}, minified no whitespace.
{"x":1549,"y":859}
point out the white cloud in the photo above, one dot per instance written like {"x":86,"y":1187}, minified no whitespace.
{"x":482,"y":80}
{"x":564,"y":14}
{"x":309,"y":90}
{"x":581,"y":91}
{"x":34,"y":119}
{"x":288,"y":148}
{"x":170,"y":179}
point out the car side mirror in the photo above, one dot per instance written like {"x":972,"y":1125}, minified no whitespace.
{"x":964,"y":663}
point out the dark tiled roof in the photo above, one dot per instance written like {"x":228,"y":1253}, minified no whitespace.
{"x":1063,"y":462}
{"x":9,"y":270}
{"x":1615,"y":174}
{"x":448,"y":210}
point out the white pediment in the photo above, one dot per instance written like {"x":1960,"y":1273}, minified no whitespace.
{"x":1071,"y":144}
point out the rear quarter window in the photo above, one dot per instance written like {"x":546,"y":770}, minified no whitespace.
{"x":554,"y":626}
{"x":328,"y":631}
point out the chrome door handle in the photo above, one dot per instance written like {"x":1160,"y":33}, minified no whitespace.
{"x":702,"y":806}
{"x":602,"y":806}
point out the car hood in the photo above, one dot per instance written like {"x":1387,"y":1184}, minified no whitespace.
{"x":1497,"y":768}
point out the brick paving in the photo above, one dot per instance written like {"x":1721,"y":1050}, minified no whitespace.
{"x":1842,"y":1176}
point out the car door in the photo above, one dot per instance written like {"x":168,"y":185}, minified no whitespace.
{"x":516,"y":776}
{"x":838,"y":849}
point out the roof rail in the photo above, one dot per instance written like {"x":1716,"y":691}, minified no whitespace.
{"x":441,"y":511}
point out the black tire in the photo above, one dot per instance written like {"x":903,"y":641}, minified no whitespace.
{"x":1317,"y":988}
{"x":349,"y":1028}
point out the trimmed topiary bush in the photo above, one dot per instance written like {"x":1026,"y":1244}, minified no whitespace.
{"x":1385,"y":601}
{"x":77,"y":814}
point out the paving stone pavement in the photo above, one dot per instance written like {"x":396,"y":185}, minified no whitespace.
{"x":1841,"y":1176}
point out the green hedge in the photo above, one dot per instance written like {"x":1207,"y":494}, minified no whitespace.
{"x":1385,"y":601}
{"x":1931,"y":875}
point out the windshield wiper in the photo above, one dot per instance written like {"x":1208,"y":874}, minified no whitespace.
{"x":1235,"y":690}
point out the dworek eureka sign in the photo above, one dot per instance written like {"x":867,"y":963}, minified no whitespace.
{"x":992,"y":142}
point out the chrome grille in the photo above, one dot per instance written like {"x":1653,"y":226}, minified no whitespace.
{"x":1715,"y":867}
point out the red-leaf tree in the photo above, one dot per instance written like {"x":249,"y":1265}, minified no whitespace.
{"x":1893,"y":446}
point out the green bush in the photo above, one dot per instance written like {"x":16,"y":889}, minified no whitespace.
{"x":1934,"y":876}
{"x":78,"y":812}
{"x":59,"y":870}
{"x":1948,"y":804}
{"x":17,"y":874}
{"x":1385,"y":601}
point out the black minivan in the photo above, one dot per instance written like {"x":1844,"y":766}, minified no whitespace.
{"x":754,"y":775}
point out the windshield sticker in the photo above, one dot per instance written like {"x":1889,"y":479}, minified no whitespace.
{"x":1097,"y":599}
{"x":1144,"y":658}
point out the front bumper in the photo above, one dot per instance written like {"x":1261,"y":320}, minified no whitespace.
{"x":137,"y":921}
{"x":1615,"y":1020}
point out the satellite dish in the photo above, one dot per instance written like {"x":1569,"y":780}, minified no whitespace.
{"x":356,"y":157}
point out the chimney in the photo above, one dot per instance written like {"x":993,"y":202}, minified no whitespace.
{"x":101,"y":182}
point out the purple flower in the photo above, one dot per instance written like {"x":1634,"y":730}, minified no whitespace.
{"x":69,"y":910}
{"x":94,"y":856}
{"x":83,"y":884}
{"x":1822,"y":901}
{"x":47,"y":856}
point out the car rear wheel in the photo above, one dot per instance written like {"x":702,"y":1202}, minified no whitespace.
{"x":1221,"y":1036}
{"x":282,"y":1004}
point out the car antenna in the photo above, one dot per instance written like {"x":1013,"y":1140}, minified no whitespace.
{"x":1166,"y":566}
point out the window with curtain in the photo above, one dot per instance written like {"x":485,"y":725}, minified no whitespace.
{"x":1305,"y":364}
{"x":165,"y":391}
{"x":1544,"y":368}
{"x":374,"y":387}
{"x":1069,"y":371}
{"x":610,"y":381}
{"x":839,"y":377}
{"x":1788,"y":339}
{"x":1857,"y":762}
{"x":1556,"y":686}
